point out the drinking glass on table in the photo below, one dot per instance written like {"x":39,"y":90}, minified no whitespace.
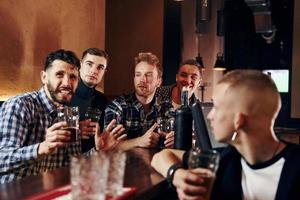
{"x":71,"y":116}
{"x":89,"y":176}
{"x":117,"y":162}
{"x":164,"y":126}
{"x":208,"y":162}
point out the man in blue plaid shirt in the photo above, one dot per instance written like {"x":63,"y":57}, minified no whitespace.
{"x":31,"y":141}
{"x":137,"y":111}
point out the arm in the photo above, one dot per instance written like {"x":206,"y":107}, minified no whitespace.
{"x":188,"y":183}
{"x":148,"y":140}
{"x":163,"y":160}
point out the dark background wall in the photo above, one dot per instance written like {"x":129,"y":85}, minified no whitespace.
{"x":132,"y":26}
{"x":246,"y":49}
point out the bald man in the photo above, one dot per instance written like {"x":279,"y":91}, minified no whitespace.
{"x":256,"y":165}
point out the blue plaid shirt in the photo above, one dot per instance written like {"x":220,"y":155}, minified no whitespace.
{"x":129,"y":112}
{"x":23,"y":123}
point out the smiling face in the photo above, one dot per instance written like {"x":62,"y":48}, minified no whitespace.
{"x":222,"y":115}
{"x":146,"y":79}
{"x":60,"y":81}
{"x":92,"y":69}
{"x":188,"y":75}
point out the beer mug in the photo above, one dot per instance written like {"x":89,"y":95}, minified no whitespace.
{"x":71,"y":116}
{"x":209,"y":160}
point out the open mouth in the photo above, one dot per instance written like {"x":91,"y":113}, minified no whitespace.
{"x":66,"y":91}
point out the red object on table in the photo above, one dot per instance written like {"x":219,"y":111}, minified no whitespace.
{"x":65,"y":190}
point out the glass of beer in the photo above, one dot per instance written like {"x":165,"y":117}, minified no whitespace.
{"x":94,"y":114}
{"x":208,"y":160}
{"x":164,"y":126}
{"x":71,"y":116}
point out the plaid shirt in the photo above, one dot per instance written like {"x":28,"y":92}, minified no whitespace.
{"x":129,"y":112}
{"x":23,"y":123}
{"x":164,"y":93}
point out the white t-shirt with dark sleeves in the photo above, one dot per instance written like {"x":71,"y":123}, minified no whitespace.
{"x":260,"y":181}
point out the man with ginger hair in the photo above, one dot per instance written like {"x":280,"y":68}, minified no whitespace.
{"x":137,"y":111}
{"x":256,"y":165}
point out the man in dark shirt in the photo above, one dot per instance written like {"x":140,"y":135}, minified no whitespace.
{"x":256,"y":165}
{"x":93,"y":67}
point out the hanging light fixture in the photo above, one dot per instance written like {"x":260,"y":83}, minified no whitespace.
{"x":198,"y":57}
{"x":220,"y":64}
{"x":199,"y":60}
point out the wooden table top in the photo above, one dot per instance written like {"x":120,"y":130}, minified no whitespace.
{"x":138,"y":173}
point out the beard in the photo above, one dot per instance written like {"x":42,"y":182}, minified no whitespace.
{"x":54,"y":94}
{"x":145,"y":92}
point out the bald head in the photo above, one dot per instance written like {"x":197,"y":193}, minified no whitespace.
{"x":252,"y":93}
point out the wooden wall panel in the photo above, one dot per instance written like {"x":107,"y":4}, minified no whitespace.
{"x":31,"y":29}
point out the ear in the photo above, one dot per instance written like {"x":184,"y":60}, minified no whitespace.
{"x":239,"y":121}
{"x":201,"y":81}
{"x":159,"y":82}
{"x":43,"y":75}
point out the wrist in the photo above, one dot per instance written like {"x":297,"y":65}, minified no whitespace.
{"x":171,"y":172}
{"x":41,"y":149}
{"x":137,"y":142}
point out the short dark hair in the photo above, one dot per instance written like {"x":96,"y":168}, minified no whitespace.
{"x":151,"y":59}
{"x":95,"y":52}
{"x":249,"y":77}
{"x":190,"y":62}
{"x":64,"y":55}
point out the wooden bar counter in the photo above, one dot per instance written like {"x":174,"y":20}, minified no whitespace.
{"x":138,"y":174}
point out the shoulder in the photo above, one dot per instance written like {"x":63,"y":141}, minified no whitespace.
{"x":229,"y":156}
{"x":22,"y":100}
{"x":100,"y":97}
{"x":124,"y":99}
{"x":121,"y":102}
{"x":164,"y":90}
{"x":21,"y":105}
{"x":164,"y":93}
{"x":293,"y":153}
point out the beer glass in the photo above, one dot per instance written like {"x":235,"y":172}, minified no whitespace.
{"x":71,"y":116}
{"x":117,"y":163}
{"x":89,"y":176}
{"x":164,"y":126}
{"x":94,"y":114}
{"x":209,"y":160}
